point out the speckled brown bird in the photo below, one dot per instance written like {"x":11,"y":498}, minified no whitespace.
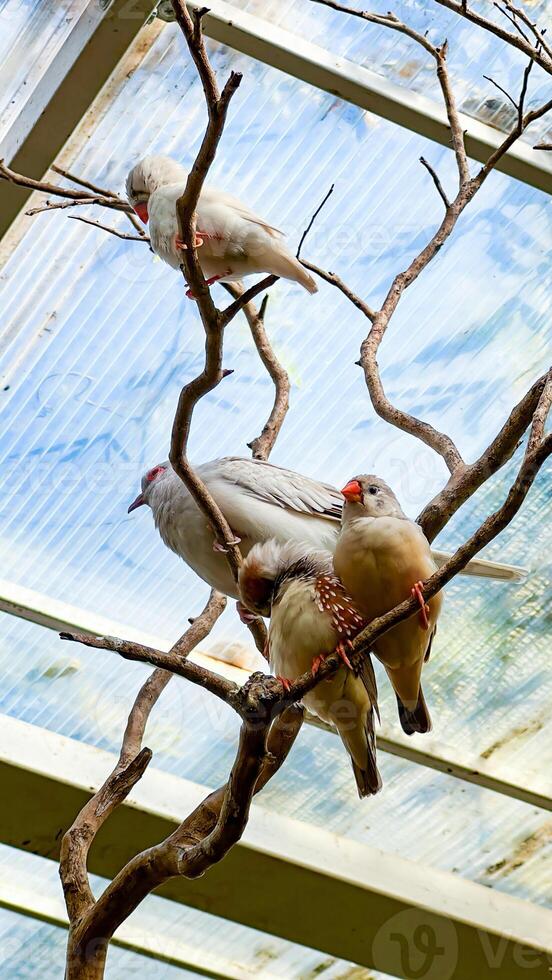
{"x":311,"y":615}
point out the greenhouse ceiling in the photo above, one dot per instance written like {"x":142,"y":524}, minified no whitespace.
{"x":95,"y":341}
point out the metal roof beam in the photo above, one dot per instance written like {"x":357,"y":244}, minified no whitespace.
{"x":286,"y":878}
{"x":55,"y":615}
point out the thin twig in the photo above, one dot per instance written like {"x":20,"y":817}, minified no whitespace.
{"x":312,"y":220}
{"x":436,"y":181}
{"x":60,"y":206}
{"x":262,"y":445}
{"x":248,"y":294}
{"x":112,"y":231}
{"x":334,"y":280}
{"x":101,"y":190}
{"x":84,"y":183}
{"x":512,"y":20}
{"x":537,"y":32}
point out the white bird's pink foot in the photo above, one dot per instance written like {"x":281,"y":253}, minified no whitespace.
{"x":217,"y":546}
{"x":197,"y":243}
{"x":209,"y":282}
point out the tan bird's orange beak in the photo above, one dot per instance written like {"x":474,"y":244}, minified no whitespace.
{"x":352,"y":491}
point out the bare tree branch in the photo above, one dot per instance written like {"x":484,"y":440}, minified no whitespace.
{"x":538,"y":52}
{"x":262,"y":445}
{"x":464,"y":482}
{"x":81,"y":182}
{"x":542,"y":410}
{"x":468,"y":187}
{"x":168,"y":662}
{"x":334,"y":280}
{"x":538,"y":33}
{"x":133,"y":760}
{"x":81,"y":197}
{"x":246,"y":297}
{"x":207,"y":834}
{"x":270,"y":717}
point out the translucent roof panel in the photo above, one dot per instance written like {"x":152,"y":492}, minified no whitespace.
{"x":98,"y":337}
{"x":34,"y":35}
{"x":198,"y":941}
{"x":473,"y":52}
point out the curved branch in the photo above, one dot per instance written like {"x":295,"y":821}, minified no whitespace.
{"x":334,"y":280}
{"x":151,"y":868}
{"x":131,"y":765}
{"x":97,"y":224}
{"x":262,"y":445}
{"x":464,"y":483}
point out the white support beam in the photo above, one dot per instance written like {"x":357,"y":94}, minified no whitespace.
{"x":286,"y":878}
{"x":46,"y":72}
{"x":134,"y":935}
{"x":55,"y":615}
{"x":64,"y":90}
{"x":311,"y":63}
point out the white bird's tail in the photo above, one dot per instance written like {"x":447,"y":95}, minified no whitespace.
{"x":284,"y":264}
{"x":485,"y":569}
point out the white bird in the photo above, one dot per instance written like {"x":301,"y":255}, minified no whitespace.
{"x":235,"y":242}
{"x":382,"y":558}
{"x":311,"y":616}
{"x":260,"y":501}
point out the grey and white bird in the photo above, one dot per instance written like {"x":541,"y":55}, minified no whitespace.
{"x":260,"y":501}
{"x":382,"y":558}
{"x":232,"y":240}
{"x":311,"y":615}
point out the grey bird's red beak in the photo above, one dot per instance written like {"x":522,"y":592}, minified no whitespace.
{"x":136,"y":503}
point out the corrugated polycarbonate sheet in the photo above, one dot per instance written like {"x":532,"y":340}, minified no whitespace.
{"x":29,"y":948}
{"x":472,"y":52}
{"x":102,"y":338}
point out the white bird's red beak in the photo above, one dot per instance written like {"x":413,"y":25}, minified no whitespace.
{"x":142,"y":212}
{"x":352,"y":491}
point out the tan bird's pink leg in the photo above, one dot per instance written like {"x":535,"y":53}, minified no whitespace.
{"x":417,"y":592}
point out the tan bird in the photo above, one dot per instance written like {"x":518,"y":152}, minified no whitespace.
{"x":311,"y":616}
{"x":382,"y":558}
